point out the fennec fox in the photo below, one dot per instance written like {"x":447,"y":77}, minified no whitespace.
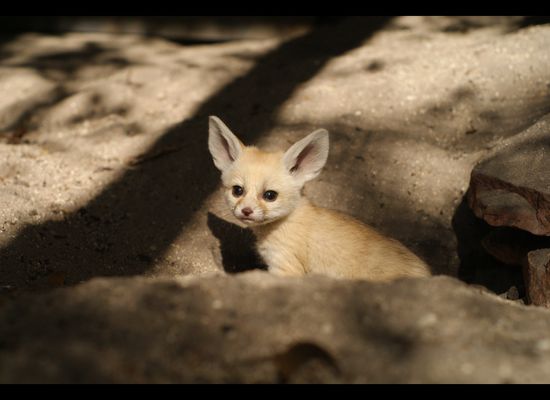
{"x":294,"y":237}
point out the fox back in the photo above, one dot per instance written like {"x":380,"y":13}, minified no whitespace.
{"x":294,"y":237}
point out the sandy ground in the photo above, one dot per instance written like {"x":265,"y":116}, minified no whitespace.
{"x":104,"y":168}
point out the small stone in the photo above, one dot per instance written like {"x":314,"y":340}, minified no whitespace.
{"x":512,"y":293}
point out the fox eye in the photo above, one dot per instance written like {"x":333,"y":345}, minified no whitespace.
{"x":237,"y":191}
{"x":270,"y":195}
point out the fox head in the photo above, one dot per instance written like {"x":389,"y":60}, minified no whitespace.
{"x":262,"y":187}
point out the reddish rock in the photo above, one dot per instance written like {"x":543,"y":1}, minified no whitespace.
{"x":537,"y":277}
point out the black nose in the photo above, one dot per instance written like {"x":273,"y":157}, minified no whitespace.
{"x":247,"y":211}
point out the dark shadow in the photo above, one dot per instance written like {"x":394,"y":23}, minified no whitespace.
{"x":95,"y":109}
{"x":535,"y":20}
{"x":62,"y":67}
{"x":103,"y":317}
{"x":6,"y":38}
{"x":20,"y":125}
{"x":511,"y":245}
{"x":237,"y":246}
{"x":372,"y":326}
{"x":131,"y":223}
{"x":477,"y":266}
{"x":188,"y":30}
{"x":290,"y":362}
{"x":464,"y":24}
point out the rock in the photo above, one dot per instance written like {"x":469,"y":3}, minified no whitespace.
{"x":512,"y":186}
{"x":537,"y":277}
{"x":258,"y":328}
{"x":513,"y":293}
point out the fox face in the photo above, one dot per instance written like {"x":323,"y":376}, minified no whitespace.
{"x":261,"y":187}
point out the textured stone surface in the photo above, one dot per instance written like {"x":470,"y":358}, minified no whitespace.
{"x":256,"y":327}
{"x":512,"y":186}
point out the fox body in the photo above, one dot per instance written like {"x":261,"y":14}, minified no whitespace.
{"x":295,"y":237}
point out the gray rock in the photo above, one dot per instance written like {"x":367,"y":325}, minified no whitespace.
{"x":258,"y":328}
{"x":512,"y":186}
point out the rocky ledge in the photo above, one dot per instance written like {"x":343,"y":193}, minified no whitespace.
{"x":511,"y":188}
{"x":254,"y":327}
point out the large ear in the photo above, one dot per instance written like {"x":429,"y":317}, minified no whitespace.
{"x":224,"y":146}
{"x":307,"y":157}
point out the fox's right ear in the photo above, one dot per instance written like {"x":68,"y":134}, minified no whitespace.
{"x":224,"y":146}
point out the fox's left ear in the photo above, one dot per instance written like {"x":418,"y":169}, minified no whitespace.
{"x":307,"y":157}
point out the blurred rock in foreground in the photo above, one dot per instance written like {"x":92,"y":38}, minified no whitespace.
{"x":255,"y":327}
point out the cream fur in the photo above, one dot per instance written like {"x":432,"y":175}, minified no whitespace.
{"x":295,"y":237}
{"x":315,"y":239}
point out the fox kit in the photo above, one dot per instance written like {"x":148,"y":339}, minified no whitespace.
{"x":295,"y":237}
